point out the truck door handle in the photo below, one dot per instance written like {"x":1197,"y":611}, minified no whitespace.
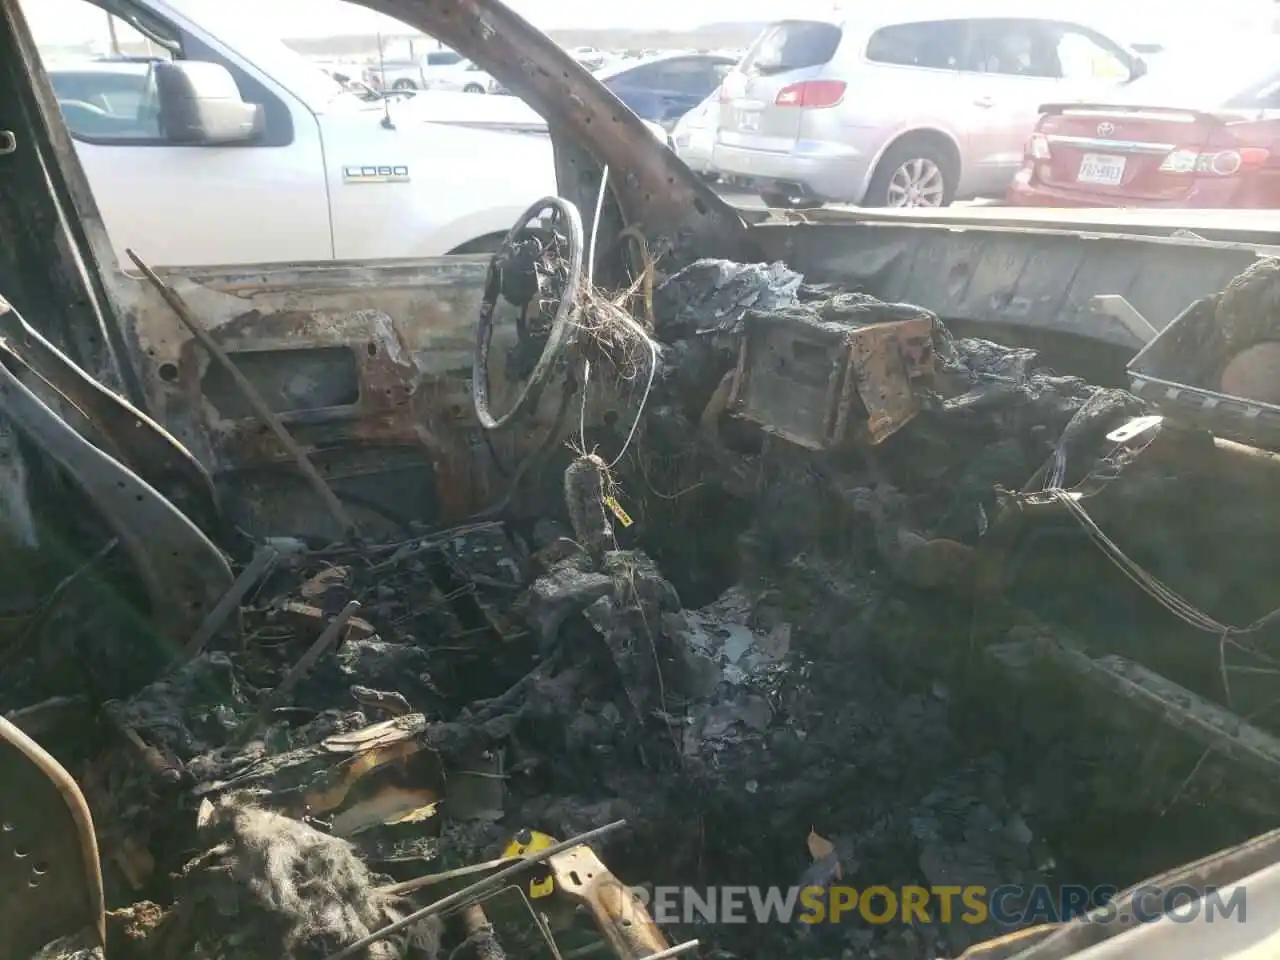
{"x":985,"y":102}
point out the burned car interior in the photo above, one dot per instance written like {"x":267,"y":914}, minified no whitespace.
{"x":441,"y":608}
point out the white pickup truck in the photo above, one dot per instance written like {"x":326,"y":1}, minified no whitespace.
{"x":230,"y":148}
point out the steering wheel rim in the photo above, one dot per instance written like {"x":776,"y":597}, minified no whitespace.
{"x":559,"y":332}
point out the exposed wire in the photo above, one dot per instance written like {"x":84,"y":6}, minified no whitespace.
{"x":1148,"y":582}
{"x":1164,"y":595}
{"x":653,"y":370}
{"x":638,"y":330}
{"x":595,"y":223}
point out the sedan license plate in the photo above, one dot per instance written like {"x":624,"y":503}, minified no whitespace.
{"x":1102,"y":169}
{"x":749,"y":121}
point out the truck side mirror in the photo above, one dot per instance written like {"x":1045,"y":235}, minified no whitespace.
{"x":200,"y":104}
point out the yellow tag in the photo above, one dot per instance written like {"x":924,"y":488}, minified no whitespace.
{"x":616,"y":508}
{"x":533,"y":843}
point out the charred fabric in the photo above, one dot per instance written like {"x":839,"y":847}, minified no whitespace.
{"x":853,"y":601}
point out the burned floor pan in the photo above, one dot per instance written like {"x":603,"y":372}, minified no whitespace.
{"x":836,"y":705}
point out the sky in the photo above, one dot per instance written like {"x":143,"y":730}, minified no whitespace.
{"x":68,"y":21}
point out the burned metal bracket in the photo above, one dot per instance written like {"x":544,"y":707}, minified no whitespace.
{"x":121,"y":429}
{"x":885,"y":360}
{"x":621,"y":918}
{"x":183,"y":572}
{"x":1118,"y":308}
{"x":1135,"y":428}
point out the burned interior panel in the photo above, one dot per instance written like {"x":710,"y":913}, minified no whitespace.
{"x":380,"y":395}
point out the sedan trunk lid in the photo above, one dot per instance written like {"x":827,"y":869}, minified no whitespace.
{"x":1136,"y":152}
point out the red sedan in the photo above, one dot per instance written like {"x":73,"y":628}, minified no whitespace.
{"x":1169,"y":151}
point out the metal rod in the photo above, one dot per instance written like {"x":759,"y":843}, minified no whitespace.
{"x":418,"y":883}
{"x":213,"y":621}
{"x":464,"y":895}
{"x":259,"y":405}
{"x":677,"y":950}
{"x":327,"y":638}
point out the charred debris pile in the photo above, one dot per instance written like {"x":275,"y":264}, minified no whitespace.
{"x":859,"y":600}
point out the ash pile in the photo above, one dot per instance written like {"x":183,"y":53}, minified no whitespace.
{"x":772,"y":636}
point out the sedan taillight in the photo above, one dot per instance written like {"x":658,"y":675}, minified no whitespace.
{"x":1219,"y":163}
{"x":1038,"y":147}
{"x":811,"y":94}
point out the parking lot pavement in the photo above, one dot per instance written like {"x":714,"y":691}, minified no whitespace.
{"x":750,"y":201}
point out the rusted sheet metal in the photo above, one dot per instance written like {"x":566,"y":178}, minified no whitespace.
{"x":655,"y":190}
{"x":885,"y":362}
{"x":1007,"y":278}
{"x":340,"y":374}
{"x":823,"y":385}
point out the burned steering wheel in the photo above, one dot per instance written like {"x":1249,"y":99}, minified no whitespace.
{"x":538,"y":270}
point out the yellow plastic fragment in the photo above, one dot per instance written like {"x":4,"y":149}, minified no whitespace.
{"x":525,"y":843}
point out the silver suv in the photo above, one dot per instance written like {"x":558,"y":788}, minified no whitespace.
{"x":899,"y":110}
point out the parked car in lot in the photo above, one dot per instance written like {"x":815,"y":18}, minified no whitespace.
{"x":270,"y":160}
{"x":417,"y":73}
{"x":464,"y":77}
{"x":666,"y":87}
{"x":899,"y":109}
{"x":694,"y":135}
{"x":1205,"y":132}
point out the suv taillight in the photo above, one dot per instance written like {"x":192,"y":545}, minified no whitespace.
{"x":811,"y":94}
{"x":1220,"y":163}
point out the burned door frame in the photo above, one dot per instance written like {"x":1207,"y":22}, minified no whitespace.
{"x":52,"y":265}
{"x":55,"y":407}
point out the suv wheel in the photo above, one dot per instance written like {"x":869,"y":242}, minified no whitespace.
{"x":782,"y":201}
{"x":913,"y":173}
{"x":404,"y":85}
{"x":473,"y":88}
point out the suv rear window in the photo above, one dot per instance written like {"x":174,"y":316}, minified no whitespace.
{"x":792,"y":45}
{"x":938,"y":44}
